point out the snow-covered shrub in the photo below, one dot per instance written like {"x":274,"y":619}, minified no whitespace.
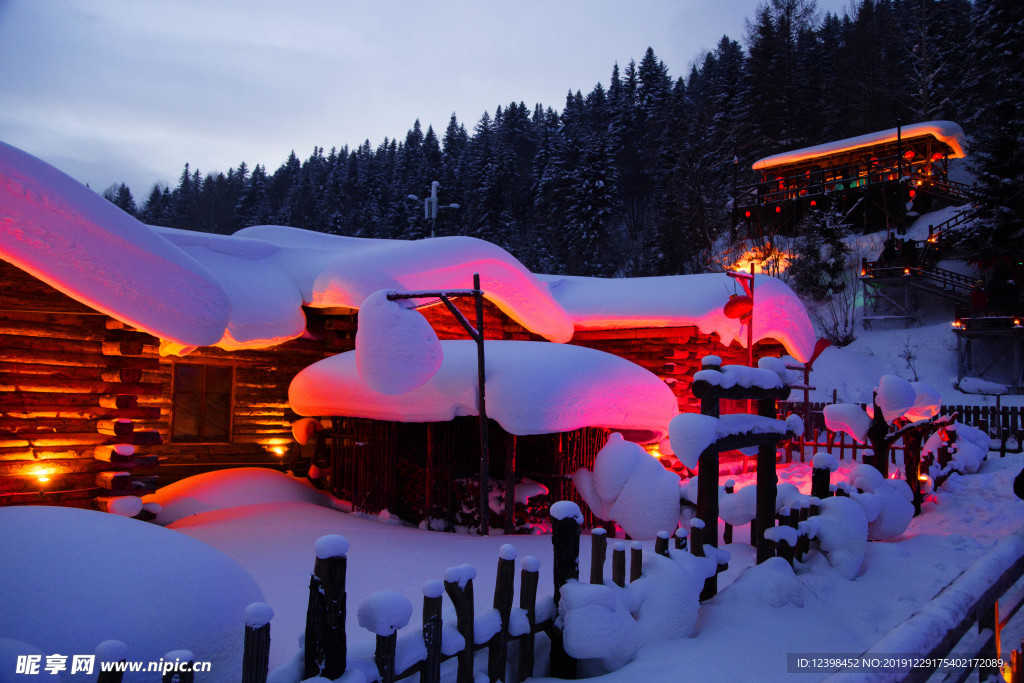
{"x":966,"y":451}
{"x":610,"y":623}
{"x":632,"y":488}
{"x":841,"y":530}
{"x":887,"y":503}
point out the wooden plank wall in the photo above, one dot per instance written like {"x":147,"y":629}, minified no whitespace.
{"x":74,"y":382}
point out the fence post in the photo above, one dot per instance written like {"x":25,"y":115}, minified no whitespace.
{"x":172,"y":662}
{"x":110,"y":651}
{"x":680,"y":536}
{"x":766,"y":482}
{"x":661,"y":543}
{"x":730,"y":487}
{"x":636,"y":561}
{"x":820,"y":480}
{"x":458,"y":583}
{"x":989,"y":619}
{"x":619,"y":564}
{"x":432,"y":598}
{"x":598,"y":552}
{"x":529,"y":577}
{"x":566,"y":519}
{"x":383,"y":613}
{"x":504,"y":588}
{"x":256,"y":647}
{"x":325,"y":647}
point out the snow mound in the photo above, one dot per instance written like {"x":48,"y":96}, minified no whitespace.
{"x":228,"y":489}
{"x":384,"y":612}
{"x":532,"y":388}
{"x":739,"y":507}
{"x":74,"y":578}
{"x":895,"y":396}
{"x":927,"y":403}
{"x":396,"y":348}
{"x":632,"y":488}
{"x":771,"y":583}
{"x":849,"y":418}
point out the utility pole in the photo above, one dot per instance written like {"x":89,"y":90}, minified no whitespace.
{"x":430,"y":205}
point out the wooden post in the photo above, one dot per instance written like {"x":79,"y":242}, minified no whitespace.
{"x":636,"y":561}
{"x":680,"y":538}
{"x":528,"y":580}
{"x":256,"y":645}
{"x":820,"y":482}
{"x":912,"y":465}
{"x":384,"y":656}
{"x":110,"y":651}
{"x":504,"y":588}
{"x":510,"y":485}
{"x":661,"y":543}
{"x":730,"y":488}
{"x":460,"y":590}
{"x":325,"y":646}
{"x":619,"y":564}
{"x":988,"y":618}
{"x":598,"y":552}
{"x":767,"y":481}
{"x":566,"y":519}
{"x":697,"y":537}
{"x":173,"y":664}
{"x":877,"y":434}
{"x":432,"y":599}
{"x":485,"y":457}
{"x":430,"y":474}
{"x":707,"y":495}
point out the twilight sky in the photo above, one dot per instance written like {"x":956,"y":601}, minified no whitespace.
{"x":114,"y":91}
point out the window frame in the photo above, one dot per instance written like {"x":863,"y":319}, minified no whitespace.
{"x":202,"y":437}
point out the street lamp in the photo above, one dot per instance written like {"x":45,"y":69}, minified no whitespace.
{"x":430,"y":205}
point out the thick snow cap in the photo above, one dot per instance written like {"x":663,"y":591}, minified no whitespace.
{"x":532,"y":388}
{"x":71,"y":238}
{"x":679,"y":300}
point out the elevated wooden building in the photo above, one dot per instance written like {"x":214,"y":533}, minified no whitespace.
{"x":876,"y":181}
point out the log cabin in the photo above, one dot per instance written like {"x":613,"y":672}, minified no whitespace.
{"x":134,"y":356}
{"x":876,"y":181}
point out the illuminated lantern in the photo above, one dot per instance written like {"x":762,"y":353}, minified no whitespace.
{"x":814,"y":202}
{"x":778,"y":209}
{"x":738,"y":306}
{"x":909,"y":154}
{"x":747,"y":213}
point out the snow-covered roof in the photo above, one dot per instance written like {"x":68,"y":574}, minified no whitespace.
{"x":945,"y":131}
{"x":532,"y":388}
{"x":677,"y":300}
{"x":247,"y":290}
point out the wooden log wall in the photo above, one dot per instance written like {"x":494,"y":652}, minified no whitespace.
{"x":74,"y":383}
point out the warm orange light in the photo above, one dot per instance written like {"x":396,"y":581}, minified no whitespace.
{"x":42,"y":474}
{"x":654,"y":449}
{"x":1016,"y":322}
{"x":906,"y":271}
{"x":278,"y":450}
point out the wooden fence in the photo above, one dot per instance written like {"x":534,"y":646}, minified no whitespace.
{"x":1003,"y":423}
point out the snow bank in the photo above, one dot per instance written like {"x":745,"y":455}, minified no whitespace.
{"x":230,"y":488}
{"x":679,"y":300}
{"x":74,"y":578}
{"x":532,"y":388}
{"x":69,"y":237}
{"x":396,"y":348}
{"x":632,"y":488}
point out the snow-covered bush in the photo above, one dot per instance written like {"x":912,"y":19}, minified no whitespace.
{"x":610,"y":623}
{"x":841,"y":530}
{"x":632,"y":488}
{"x":887,"y":503}
{"x":967,"y":449}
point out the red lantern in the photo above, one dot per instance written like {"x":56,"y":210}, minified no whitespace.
{"x":738,"y":306}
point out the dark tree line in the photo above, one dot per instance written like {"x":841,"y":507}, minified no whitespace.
{"x":635,"y":178}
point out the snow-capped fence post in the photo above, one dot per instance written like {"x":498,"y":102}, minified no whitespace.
{"x":566,"y":520}
{"x":529,"y":578}
{"x":636,"y":561}
{"x":383,"y":613}
{"x":661,"y":543}
{"x":912,"y":444}
{"x":697,"y":536}
{"x":458,"y":584}
{"x":325,"y":646}
{"x":177,"y":667}
{"x":680,"y":538}
{"x":766,"y":480}
{"x":598,"y":553}
{"x":619,"y":564}
{"x":111,"y":651}
{"x":256,"y":645}
{"x":433,"y":595}
{"x":821,"y":480}
{"x":504,"y":589}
